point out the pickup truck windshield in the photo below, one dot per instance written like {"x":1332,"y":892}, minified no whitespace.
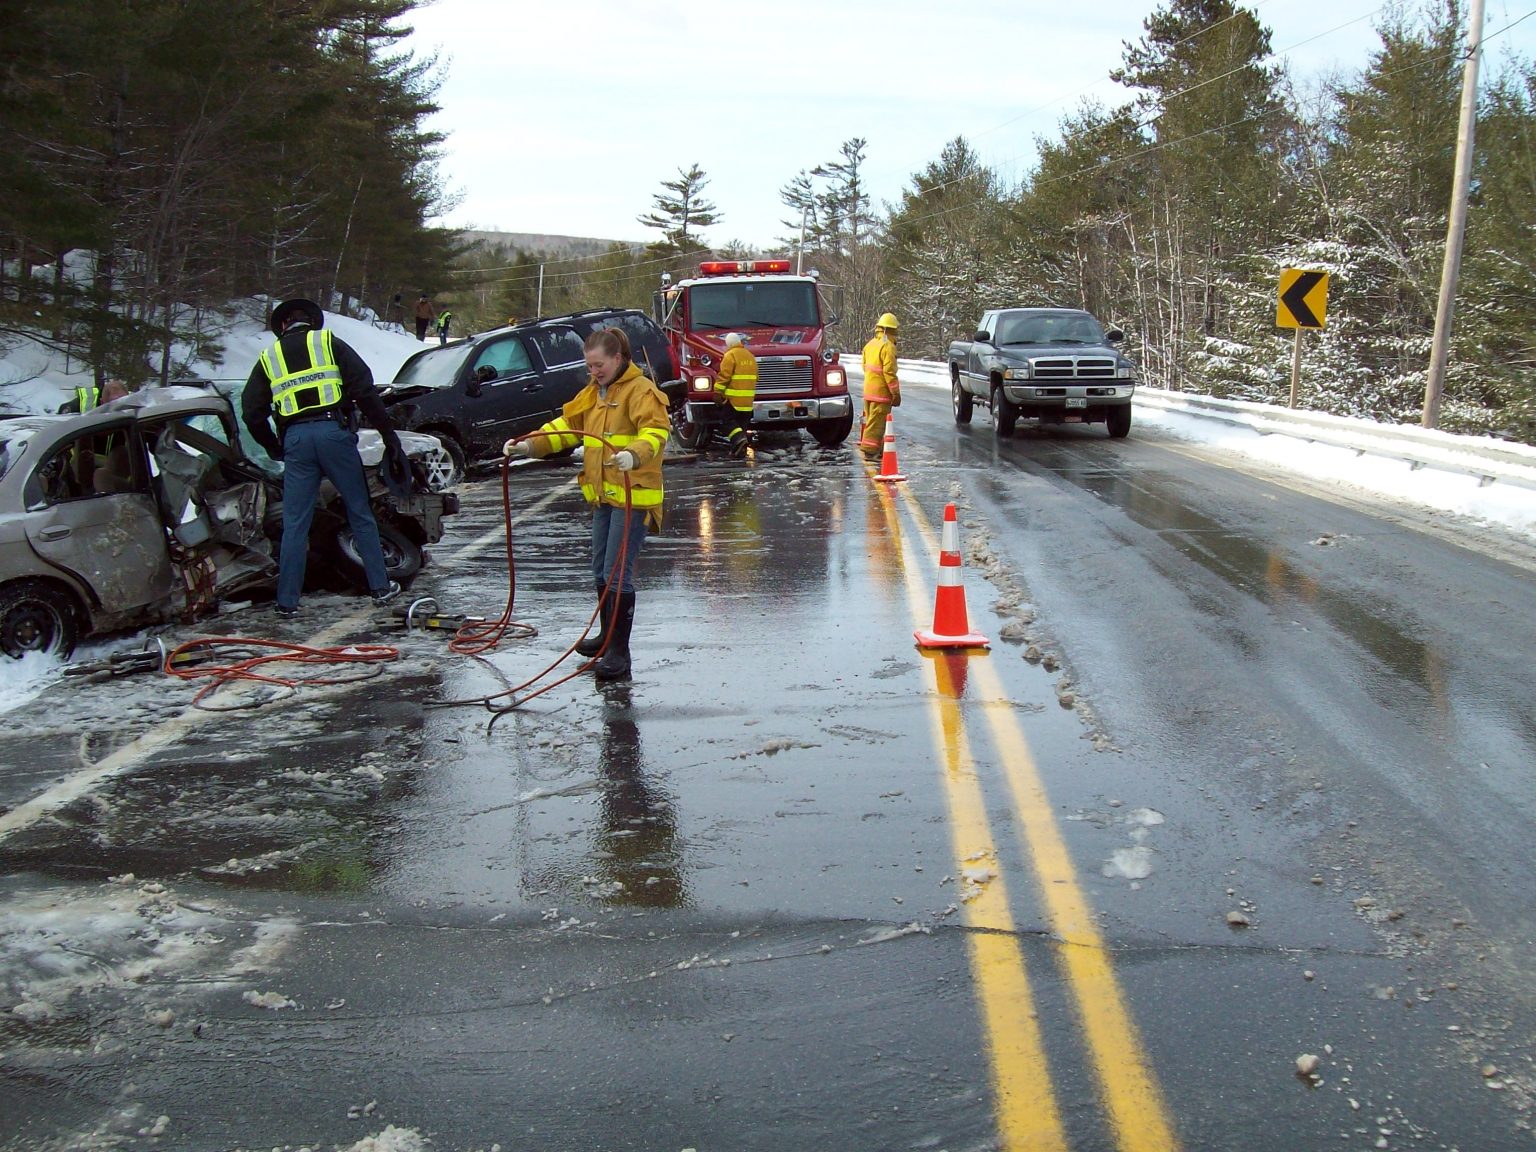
{"x":754,"y":304}
{"x":1049,"y":328}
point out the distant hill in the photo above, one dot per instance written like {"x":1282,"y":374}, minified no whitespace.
{"x":551,"y":246}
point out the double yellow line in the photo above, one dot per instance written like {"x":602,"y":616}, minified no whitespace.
{"x":1027,"y":1113}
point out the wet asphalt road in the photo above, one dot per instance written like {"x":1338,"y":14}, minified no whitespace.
{"x":797,"y":885}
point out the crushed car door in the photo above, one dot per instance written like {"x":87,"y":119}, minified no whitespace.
{"x":91,"y":512}
{"x":213,"y":502}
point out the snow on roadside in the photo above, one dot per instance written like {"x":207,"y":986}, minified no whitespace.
{"x":1465,"y":495}
{"x":62,"y":947}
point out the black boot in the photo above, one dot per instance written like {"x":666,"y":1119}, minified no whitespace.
{"x":593,"y":644}
{"x":614,"y":663}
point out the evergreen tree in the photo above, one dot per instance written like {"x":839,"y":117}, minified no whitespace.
{"x":679,"y":211}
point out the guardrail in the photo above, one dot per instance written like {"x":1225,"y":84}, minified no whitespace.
{"x":1491,"y":461}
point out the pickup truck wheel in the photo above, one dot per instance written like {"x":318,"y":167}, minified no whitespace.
{"x":402,"y":556}
{"x":831,"y":433}
{"x":36,"y":617}
{"x":1004,"y":414}
{"x":960,"y":401}
{"x":1119,"y":422}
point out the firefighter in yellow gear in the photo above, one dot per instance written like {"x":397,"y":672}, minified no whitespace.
{"x":621,"y":405}
{"x":882,"y":390}
{"x":735,"y":388}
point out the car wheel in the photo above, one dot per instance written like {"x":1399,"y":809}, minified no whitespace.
{"x":402,"y":556}
{"x":960,"y":401}
{"x":1004,"y":414}
{"x":37,"y":617}
{"x":445,"y":466}
{"x":831,"y":433}
{"x":1119,"y":422}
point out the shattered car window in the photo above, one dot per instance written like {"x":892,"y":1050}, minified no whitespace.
{"x":438,"y":368}
{"x":96,"y":464}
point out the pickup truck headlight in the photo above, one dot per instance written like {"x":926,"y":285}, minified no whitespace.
{"x":1126,"y":372}
{"x":1015,"y":373}
{"x":835,"y":378}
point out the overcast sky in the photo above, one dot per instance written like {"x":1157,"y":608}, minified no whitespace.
{"x":565,"y":119}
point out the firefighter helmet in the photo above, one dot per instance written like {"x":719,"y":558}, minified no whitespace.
{"x":308,"y":313}
{"x":733,"y":339}
{"x":888,"y":322}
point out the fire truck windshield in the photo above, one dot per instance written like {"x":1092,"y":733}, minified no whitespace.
{"x":754,"y":304}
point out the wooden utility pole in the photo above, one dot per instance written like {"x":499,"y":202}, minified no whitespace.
{"x":1456,"y":227}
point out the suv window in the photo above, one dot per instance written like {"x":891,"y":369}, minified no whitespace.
{"x":559,"y":347}
{"x":504,"y":357}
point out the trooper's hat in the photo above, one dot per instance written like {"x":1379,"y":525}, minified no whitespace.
{"x":309,"y":313}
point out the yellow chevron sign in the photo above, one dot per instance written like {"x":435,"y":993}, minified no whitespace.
{"x":1303,"y":299}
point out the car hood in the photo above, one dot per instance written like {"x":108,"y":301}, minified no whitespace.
{"x":395,"y":393}
{"x":417,"y":445}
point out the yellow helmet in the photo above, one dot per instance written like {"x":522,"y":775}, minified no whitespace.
{"x":888,"y":322}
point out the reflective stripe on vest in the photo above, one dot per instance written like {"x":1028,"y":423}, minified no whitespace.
{"x":308,"y":389}
{"x":614,"y":494}
{"x":87,"y":396}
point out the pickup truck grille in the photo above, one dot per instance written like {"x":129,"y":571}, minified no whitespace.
{"x":1072,"y":368}
{"x":783,"y":375}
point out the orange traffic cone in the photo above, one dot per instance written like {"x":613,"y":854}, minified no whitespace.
{"x":951,"y":627}
{"x":888,"y":470}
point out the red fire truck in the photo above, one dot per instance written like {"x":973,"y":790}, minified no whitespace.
{"x":783,"y":320}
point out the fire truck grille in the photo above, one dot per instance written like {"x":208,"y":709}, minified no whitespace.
{"x":1072,"y":368}
{"x":783,"y":375}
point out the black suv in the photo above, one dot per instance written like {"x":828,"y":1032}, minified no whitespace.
{"x":475,"y":394}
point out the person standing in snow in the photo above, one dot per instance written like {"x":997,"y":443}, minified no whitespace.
{"x":426,"y":312}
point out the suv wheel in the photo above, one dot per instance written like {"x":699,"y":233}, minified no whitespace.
{"x":1004,"y":414}
{"x":444,"y":466}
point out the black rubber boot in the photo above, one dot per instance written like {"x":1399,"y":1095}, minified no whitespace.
{"x":614,"y":663}
{"x":593,"y":644}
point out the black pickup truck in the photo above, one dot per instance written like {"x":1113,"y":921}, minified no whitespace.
{"x":1050,"y":365}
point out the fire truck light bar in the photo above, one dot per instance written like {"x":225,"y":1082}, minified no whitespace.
{"x":731,"y":267}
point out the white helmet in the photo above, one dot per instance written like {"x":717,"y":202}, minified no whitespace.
{"x":733,"y":339}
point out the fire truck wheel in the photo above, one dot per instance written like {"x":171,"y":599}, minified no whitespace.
{"x":688,"y":434}
{"x":831,"y":433}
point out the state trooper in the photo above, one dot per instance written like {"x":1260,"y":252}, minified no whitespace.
{"x":312,"y":384}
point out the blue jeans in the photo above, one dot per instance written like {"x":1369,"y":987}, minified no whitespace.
{"x":313,"y":449}
{"x":608,"y":538}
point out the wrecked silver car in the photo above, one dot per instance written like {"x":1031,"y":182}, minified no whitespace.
{"x":150,"y":509}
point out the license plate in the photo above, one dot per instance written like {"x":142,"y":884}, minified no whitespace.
{"x":1077,"y":402}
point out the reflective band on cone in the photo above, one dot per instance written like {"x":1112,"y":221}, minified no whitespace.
{"x":951,"y":624}
{"x":888,"y":470}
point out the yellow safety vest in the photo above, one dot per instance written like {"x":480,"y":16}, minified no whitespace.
{"x":314,"y":387}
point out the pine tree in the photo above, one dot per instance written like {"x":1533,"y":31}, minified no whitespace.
{"x":679,"y":211}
